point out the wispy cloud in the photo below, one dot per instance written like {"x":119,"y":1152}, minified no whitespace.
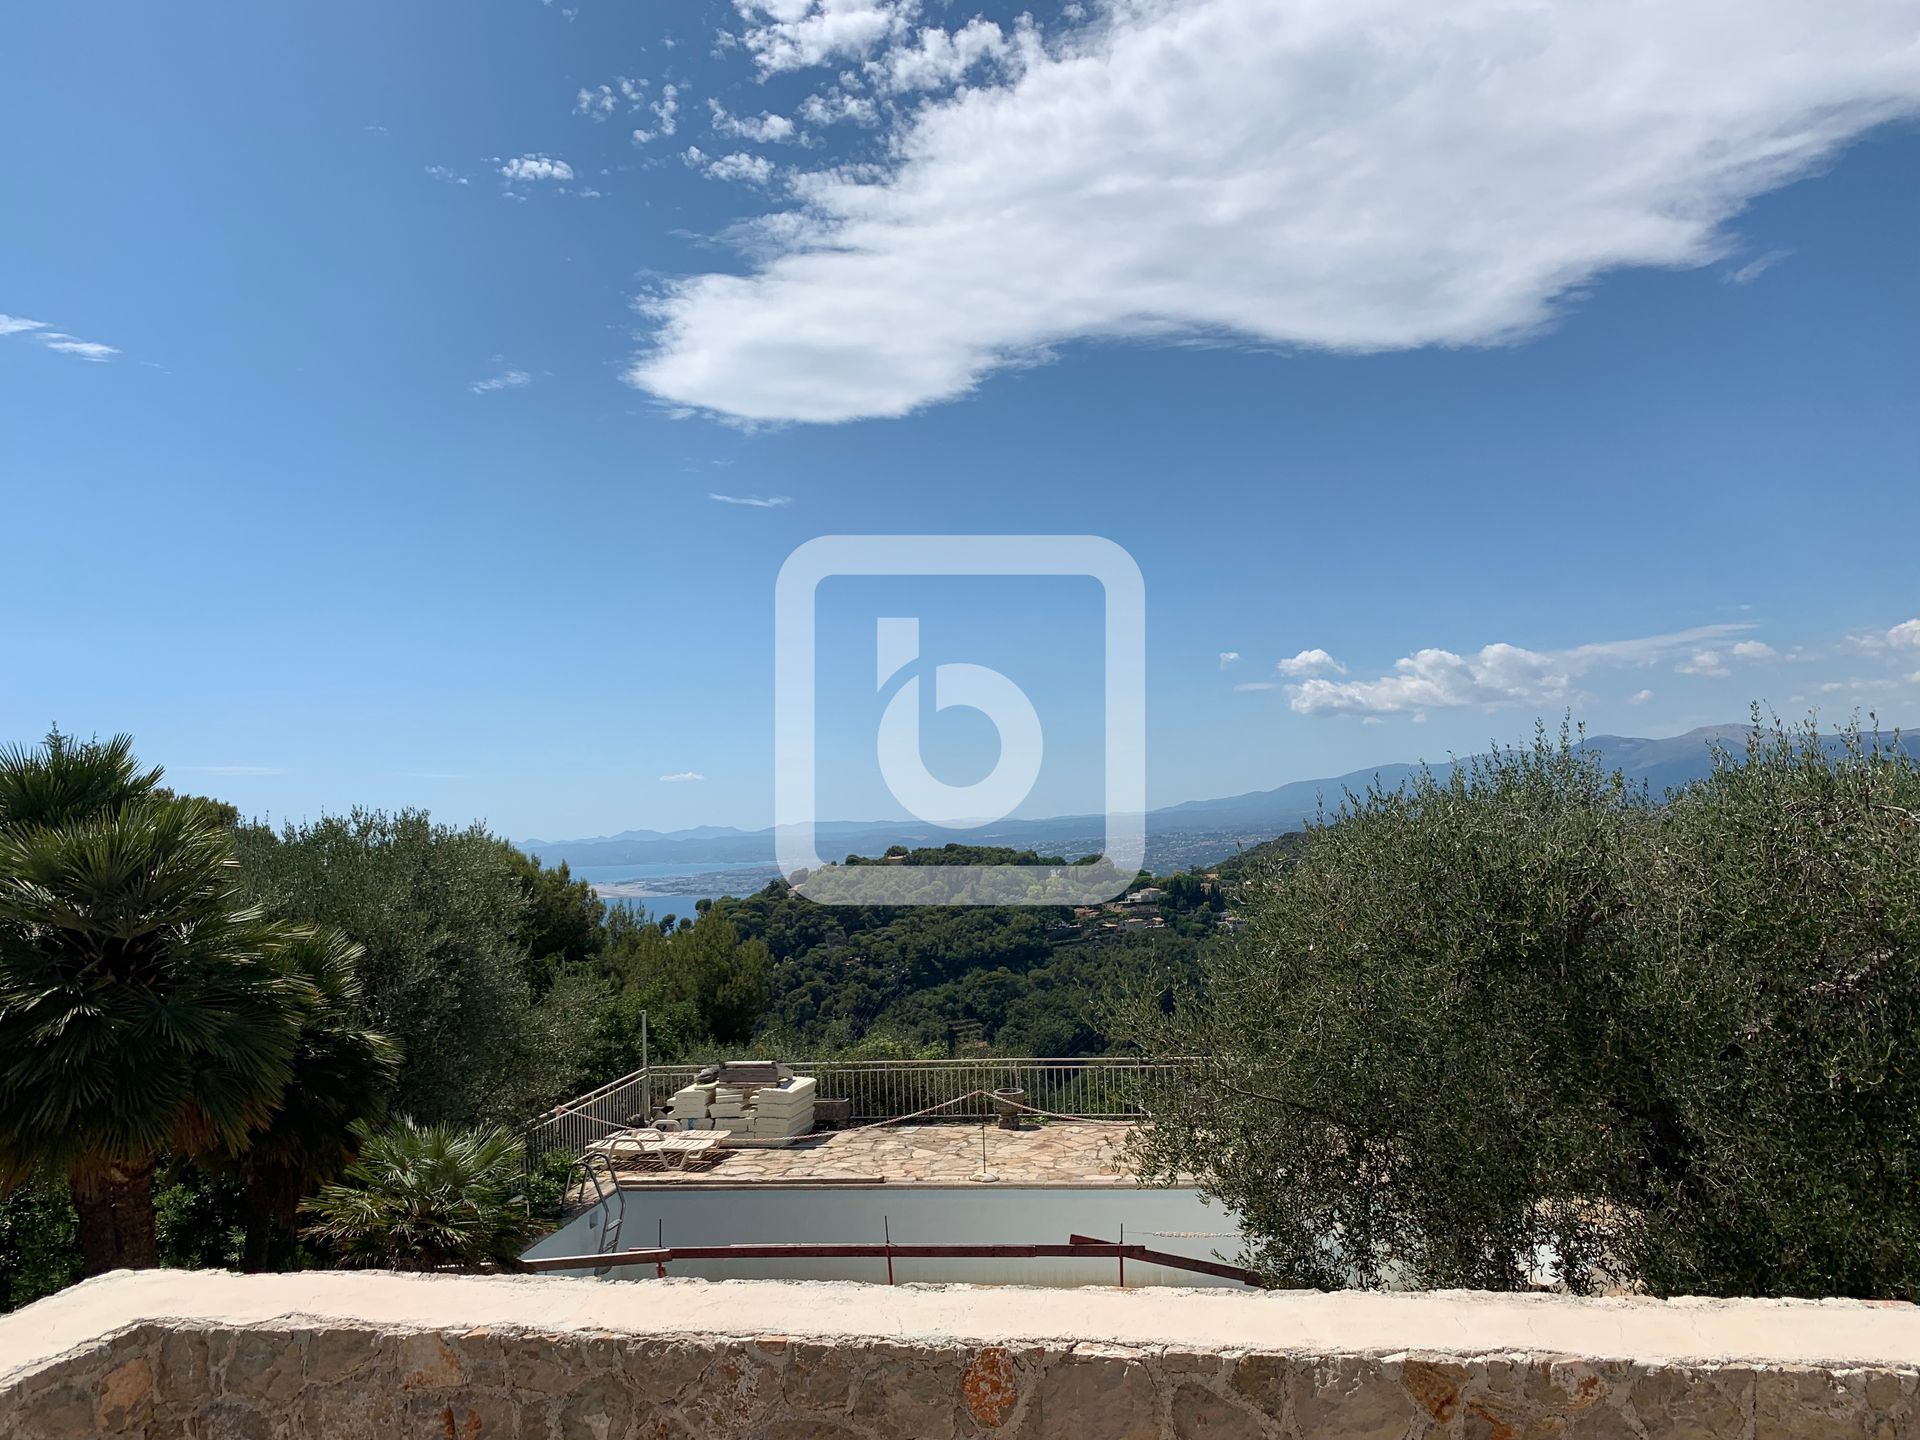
{"x":1348,"y":178}
{"x":1229,"y":657}
{"x":1252,"y":685}
{"x":57,"y":340}
{"x":505,"y":380}
{"x":758,"y":502}
{"x":682,"y":777}
{"x":446,"y":176}
{"x":1755,"y":268}
{"x":73,"y":345}
{"x":1708,"y":663}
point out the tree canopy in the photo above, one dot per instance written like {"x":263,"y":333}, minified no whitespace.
{"x":1525,"y":1019}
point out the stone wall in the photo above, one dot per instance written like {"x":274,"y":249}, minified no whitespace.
{"x":178,"y":1357}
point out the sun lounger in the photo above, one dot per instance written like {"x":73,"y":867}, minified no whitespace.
{"x":649,"y":1149}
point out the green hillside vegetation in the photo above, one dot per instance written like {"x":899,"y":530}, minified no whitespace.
{"x":373,"y":978}
{"x":1461,"y":1023}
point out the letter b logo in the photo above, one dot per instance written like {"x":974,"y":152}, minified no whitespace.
{"x":904,"y":767}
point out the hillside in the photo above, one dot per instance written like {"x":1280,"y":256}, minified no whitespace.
{"x":1184,"y":836}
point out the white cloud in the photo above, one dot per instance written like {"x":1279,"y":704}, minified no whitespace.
{"x":1229,"y":657}
{"x":1251,"y":685}
{"x":1308,"y":662}
{"x":766,"y":127}
{"x":1897,"y":637}
{"x":15,"y":325}
{"x":795,"y":34}
{"x":446,"y":176}
{"x":682,"y":777}
{"x":1754,"y":650}
{"x":596,"y":103}
{"x":832,"y":106}
{"x":1347,"y":175}
{"x":666,"y":116}
{"x":1709,"y":663}
{"x":759,"y":502}
{"x":535,"y":167}
{"x":505,"y":380}
{"x":753,"y":169}
{"x":1436,"y":679}
{"x":1639,"y":697}
{"x":938,"y":58}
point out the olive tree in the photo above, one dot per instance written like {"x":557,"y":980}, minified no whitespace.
{"x":1523,"y":1024}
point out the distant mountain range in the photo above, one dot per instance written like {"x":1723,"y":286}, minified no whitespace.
{"x":1195,"y":832}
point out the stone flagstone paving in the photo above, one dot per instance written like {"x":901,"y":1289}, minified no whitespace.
{"x":1062,"y":1153}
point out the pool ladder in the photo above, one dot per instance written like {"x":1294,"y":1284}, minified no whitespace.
{"x":596,"y":1170}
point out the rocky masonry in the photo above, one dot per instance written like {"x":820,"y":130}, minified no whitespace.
{"x":379,"y":1356}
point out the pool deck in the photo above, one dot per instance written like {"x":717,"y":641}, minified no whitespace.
{"x":1077,"y":1153}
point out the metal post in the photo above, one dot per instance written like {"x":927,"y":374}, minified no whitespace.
{"x":646,"y":1072}
{"x":1123,"y":1254}
{"x":886,"y":1222}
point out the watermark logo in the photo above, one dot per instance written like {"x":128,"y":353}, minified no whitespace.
{"x":898,"y":750}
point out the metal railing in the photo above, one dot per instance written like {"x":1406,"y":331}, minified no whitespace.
{"x":593,"y":1116}
{"x":1106,"y":1088}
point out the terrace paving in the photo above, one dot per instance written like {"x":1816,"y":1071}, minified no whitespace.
{"x":1077,"y":1152}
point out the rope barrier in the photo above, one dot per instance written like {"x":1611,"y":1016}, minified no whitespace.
{"x":992,"y":1096}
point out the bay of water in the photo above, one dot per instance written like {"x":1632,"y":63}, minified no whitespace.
{"x":753,"y":875}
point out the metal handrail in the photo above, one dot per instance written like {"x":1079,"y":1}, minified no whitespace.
{"x":607,"y":1196}
{"x":1100,"y":1087}
{"x":1105,"y":1087}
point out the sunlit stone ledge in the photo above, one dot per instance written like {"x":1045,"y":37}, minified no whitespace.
{"x":318,"y":1356}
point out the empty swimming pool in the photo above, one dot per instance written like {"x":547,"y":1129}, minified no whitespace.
{"x":1178,"y":1221}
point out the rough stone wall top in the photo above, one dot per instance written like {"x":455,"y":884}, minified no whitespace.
{"x":317,"y":1356}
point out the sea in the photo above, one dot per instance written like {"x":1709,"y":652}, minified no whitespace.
{"x":666,"y":886}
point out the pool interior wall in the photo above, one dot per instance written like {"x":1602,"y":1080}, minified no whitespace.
{"x":916,"y":1214}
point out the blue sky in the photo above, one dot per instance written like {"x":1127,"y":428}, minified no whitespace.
{"x":371,"y":374}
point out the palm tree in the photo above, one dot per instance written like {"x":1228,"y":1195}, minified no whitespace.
{"x":342,"y":1073}
{"x":143,"y":1006}
{"x":426,"y":1198}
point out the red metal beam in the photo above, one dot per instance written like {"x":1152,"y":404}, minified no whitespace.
{"x":1179,"y":1262}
